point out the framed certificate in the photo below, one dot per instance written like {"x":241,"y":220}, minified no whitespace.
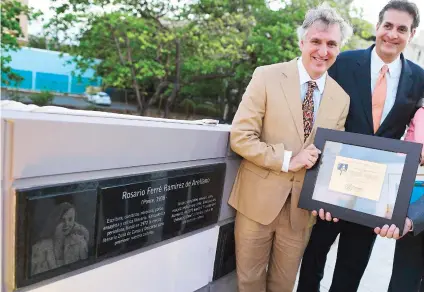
{"x":362,"y":179}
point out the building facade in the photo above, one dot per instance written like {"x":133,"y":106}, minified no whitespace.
{"x":23,"y":22}
{"x":49,"y":71}
{"x":415,"y":50}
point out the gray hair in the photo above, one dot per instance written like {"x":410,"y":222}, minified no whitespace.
{"x":327,"y":15}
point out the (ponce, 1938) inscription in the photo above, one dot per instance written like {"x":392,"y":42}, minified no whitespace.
{"x":138,"y":214}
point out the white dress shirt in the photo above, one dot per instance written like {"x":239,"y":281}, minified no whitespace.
{"x":304,"y":78}
{"x":392,"y":77}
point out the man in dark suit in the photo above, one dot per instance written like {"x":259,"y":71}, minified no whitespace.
{"x":384,"y":89}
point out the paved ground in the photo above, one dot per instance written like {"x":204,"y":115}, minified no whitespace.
{"x":83,"y":103}
{"x":76,"y":102}
{"x":376,"y":278}
{"x":378,"y":272}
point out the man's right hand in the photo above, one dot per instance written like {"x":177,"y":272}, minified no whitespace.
{"x":305,"y":158}
{"x":393,"y":231}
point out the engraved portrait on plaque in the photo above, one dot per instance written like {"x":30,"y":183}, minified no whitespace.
{"x":56,"y":230}
{"x":61,"y":241}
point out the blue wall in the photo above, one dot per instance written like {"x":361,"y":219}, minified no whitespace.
{"x":26,"y":83}
{"x":78,"y":85}
{"x":51,"y":82}
{"x":47,"y":70}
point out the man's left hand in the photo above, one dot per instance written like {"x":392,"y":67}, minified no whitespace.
{"x":324,"y":215}
{"x":393,"y":231}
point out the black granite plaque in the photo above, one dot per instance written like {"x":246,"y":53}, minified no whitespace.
{"x":64,"y":227}
{"x":57,"y":232}
{"x":225,"y":257}
{"x":138,"y":214}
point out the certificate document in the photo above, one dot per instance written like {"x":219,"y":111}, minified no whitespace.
{"x":358,"y":178}
{"x":367,"y":180}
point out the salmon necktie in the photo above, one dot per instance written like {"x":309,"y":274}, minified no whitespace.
{"x":308,"y":109}
{"x":379,"y":97}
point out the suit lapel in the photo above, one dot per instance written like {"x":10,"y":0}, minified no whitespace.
{"x":363,"y":82}
{"x":291,"y":88}
{"x":404,"y":87}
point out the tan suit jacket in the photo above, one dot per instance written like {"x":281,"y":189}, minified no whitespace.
{"x":268,"y":121}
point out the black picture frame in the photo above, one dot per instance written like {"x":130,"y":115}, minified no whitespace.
{"x":407,"y":181}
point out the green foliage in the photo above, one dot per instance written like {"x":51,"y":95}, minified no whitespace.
{"x":207,"y":110}
{"x":188,"y":105}
{"x":181,"y":56}
{"x":11,"y":10}
{"x":15,"y":95}
{"x":92,"y":89}
{"x":42,"y":42}
{"x":111,"y":38}
{"x":42,"y":98}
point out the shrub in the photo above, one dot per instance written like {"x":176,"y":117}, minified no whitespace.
{"x":188,"y":106}
{"x":92,"y":89}
{"x":15,"y":95}
{"x":93,"y":108}
{"x":207,"y":110}
{"x":43,"y":98}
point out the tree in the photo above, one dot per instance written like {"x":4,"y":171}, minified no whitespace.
{"x":127,"y":48}
{"x":11,"y":10}
{"x":269,"y":36}
{"x":199,"y":56}
{"x":42,"y":42}
{"x":273,"y":38}
{"x":116,"y":44}
{"x":147,"y":45}
{"x":38,"y":42}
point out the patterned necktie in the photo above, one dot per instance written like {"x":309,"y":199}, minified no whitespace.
{"x":379,"y":98}
{"x":308,"y":109}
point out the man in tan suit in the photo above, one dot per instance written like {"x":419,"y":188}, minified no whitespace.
{"x":273,"y":130}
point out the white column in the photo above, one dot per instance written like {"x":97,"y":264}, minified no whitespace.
{"x":69,"y":83}
{"x":34,"y":79}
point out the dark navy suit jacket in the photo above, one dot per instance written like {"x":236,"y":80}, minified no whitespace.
{"x":416,"y":213}
{"x":352,"y":71}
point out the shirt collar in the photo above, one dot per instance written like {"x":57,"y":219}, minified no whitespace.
{"x":304,"y":76}
{"x":376,"y":64}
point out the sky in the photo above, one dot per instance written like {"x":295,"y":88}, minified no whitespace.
{"x":370,"y":11}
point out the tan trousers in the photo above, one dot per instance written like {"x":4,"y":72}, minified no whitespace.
{"x":268,"y":256}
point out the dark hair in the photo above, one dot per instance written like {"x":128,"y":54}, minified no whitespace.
{"x":402,"y":5}
{"x":54,"y":219}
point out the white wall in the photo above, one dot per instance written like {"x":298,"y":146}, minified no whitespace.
{"x":53,"y":145}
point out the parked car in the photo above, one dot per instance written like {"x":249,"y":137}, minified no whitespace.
{"x":101,"y":98}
